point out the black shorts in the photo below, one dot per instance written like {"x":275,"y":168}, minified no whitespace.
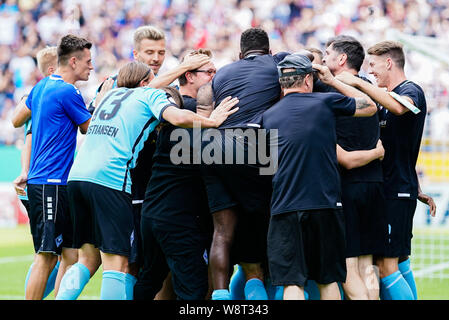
{"x":238,"y":182}
{"x":184,"y":252}
{"x":101,"y":216}
{"x":364,"y":209}
{"x":250,"y":238}
{"x":49,"y":216}
{"x":26,"y":204}
{"x":218,"y":197}
{"x":136,"y":248}
{"x":307,"y":245}
{"x":400,"y":213}
{"x":242,"y":185}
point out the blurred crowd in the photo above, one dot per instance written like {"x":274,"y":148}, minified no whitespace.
{"x":26,"y":26}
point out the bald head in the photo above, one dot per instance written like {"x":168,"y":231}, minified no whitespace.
{"x":205,"y":100}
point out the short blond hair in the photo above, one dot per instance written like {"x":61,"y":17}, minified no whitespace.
{"x":147,"y":32}
{"x":47,"y":57}
{"x":393,"y":49}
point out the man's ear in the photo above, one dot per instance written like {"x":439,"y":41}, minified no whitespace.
{"x":343,"y":59}
{"x":51,"y":70}
{"x":72,"y":62}
{"x":309,"y":80}
{"x":189,"y":77}
{"x":240,"y":56}
{"x":389,"y":63}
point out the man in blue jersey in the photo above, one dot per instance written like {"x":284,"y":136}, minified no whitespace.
{"x":401,"y":132}
{"x":239,"y":190}
{"x":47,"y":63}
{"x":306,"y":232}
{"x":57,"y":110}
{"x":100,"y":181}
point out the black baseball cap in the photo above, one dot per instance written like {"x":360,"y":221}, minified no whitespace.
{"x":299,"y":62}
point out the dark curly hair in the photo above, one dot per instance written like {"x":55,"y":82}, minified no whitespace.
{"x":254,"y":39}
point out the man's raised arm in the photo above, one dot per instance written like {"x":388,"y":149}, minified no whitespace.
{"x":365,"y":107}
{"x":380,"y":95}
{"x":191,"y":62}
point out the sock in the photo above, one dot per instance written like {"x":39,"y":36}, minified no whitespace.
{"x":130,"y":282}
{"x":237,"y":284}
{"x":342,"y":293}
{"x":51,"y":281}
{"x":312,"y":290}
{"x":278,"y":293}
{"x":406,"y":271}
{"x":255,"y":290}
{"x":73,"y":282}
{"x":383,"y":294}
{"x":113,"y":285}
{"x":221,"y":294}
{"x":274,"y":292}
{"x":396,"y":288}
{"x":306,"y":295}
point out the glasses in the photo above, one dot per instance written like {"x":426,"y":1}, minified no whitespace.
{"x":209,"y":72}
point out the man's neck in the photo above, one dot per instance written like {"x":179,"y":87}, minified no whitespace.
{"x":344,"y":68}
{"x":188,"y":91}
{"x":296,"y":90}
{"x":253,"y":53}
{"x":396,"y":77}
{"x":66,"y":75}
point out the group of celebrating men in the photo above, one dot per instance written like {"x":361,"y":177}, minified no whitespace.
{"x":339,"y":201}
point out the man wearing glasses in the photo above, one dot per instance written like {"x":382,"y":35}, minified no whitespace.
{"x":191,"y":81}
{"x":176,"y":225}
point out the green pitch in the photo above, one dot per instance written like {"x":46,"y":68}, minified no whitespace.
{"x":16,"y":254}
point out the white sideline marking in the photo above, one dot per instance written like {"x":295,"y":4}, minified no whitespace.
{"x":16,"y":259}
{"x":435,"y":268}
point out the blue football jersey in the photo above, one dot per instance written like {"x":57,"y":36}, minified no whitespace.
{"x":57,"y":109}
{"x":117,"y":132}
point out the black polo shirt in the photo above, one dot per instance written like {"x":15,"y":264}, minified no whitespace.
{"x":175,"y":194}
{"x":254,"y":81}
{"x":307,"y":177}
{"x":357,"y":133}
{"x":401,"y":138}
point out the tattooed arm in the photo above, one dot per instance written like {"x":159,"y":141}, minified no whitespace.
{"x":365,"y":107}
